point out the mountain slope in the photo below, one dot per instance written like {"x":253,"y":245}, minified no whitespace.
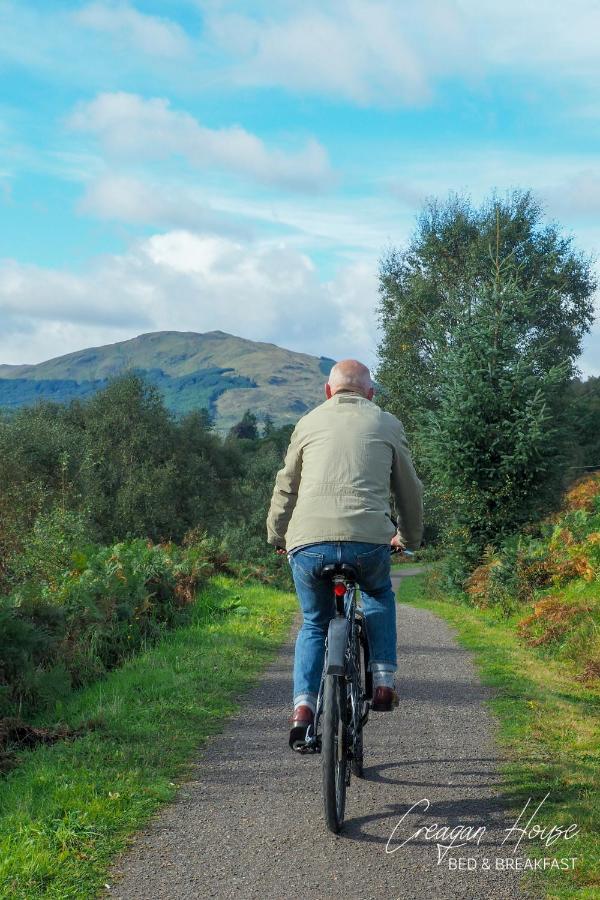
{"x":219,"y":371}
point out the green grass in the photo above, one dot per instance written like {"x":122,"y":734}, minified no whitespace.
{"x":549,"y":727}
{"x":67,"y":809}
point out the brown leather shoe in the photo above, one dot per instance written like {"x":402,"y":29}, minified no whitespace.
{"x":384,"y":699}
{"x":302,"y":717}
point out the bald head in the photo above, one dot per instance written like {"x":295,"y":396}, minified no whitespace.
{"x":350,"y":375}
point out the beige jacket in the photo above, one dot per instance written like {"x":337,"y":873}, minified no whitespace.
{"x":343,"y":460}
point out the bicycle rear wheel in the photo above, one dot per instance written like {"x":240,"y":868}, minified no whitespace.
{"x":334,"y":750}
{"x":357,"y":688}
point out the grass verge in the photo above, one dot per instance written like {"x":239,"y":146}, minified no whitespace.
{"x":549,"y":726}
{"x":70,"y":807}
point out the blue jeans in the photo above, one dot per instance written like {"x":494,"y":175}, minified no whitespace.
{"x":318,"y":607}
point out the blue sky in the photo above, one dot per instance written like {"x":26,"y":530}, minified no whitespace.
{"x":196,"y":165}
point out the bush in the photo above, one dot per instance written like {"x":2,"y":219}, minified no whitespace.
{"x":566,"y":625}
{"x":89,"y":608}
{"x":92,"y":496}
{"x":554,"y":569}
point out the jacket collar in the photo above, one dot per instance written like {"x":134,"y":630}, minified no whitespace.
{"x":344,"y":393}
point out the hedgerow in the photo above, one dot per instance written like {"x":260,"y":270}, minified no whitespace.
{"x":80,"y":609}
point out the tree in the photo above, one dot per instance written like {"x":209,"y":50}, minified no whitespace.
{"x":208,"y":474}
{"x":268,"y":426}
{"x":435,"y":280}
{"x":128,"y":474}
{"x":584,"y":403}
{"x":482,"y":319}
{"x":496,"y":443}
{"x":246,"y":428}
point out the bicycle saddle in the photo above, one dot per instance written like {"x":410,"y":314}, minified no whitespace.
{"x":347,"y":571}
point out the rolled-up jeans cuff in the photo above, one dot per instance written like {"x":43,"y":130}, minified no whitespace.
{"x":383,"y":674}
{"x":382,"y":666}
{"x":309,"y":700}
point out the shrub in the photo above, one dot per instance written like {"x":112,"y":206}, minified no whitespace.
{"x":87,"y":608}
{"x":564,"y":547}
{"x":554,"y":570}
{"x":567,"y":625}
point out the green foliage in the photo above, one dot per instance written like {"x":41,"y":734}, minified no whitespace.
{"x":121,"y":460}
{"x":83,"y":609}
{"x":87,"y":492}
{"x":246,"y":429}
{"x":38,"y":449}
{"x":482,"y":317}
{"x":494,"y":446}
{"x":47,"y":550}
{"x":438,"y":274}
{"x":127,"y":473}
{"x":245,"y":536}
{"x":584,"y":404}
{"x":268,"y":426}
{"x":551,"y":572}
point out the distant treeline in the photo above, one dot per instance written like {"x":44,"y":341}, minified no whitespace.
{"x":181,"y":394}
{"x":584,"y":400}
{"x":112,"y":514}
{"x":131,"y":469}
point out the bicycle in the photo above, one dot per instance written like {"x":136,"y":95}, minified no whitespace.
{"x":344,"y":697}
{"x":344,"y":694}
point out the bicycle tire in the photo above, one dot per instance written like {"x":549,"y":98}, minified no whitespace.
{"x":334,"y":751}
{"x":358,"y":755}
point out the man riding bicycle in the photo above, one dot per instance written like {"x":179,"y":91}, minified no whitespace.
{"x":331,"y":503}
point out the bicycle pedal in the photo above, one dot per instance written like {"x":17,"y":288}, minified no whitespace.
{"x":303,"y":748}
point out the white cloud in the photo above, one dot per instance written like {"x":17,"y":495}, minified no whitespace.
{"x":179,"y":280}
{"x":536,"y":35}
{"x":379,"y":52}
{"x":359,"y":226}
{"x":150,"y":34}
{"x":128,"y":199}
{"x":101,"y":44}
{"x":130,"y":126}
{"x":387,"y":53}
{"x":354,"y":291}
{"x":32,"y":292}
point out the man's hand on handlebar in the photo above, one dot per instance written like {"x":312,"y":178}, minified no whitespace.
{"x":280,"y":551}
{"x":398,"y":547}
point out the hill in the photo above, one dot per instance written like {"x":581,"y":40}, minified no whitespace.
{"x":215,"y":370}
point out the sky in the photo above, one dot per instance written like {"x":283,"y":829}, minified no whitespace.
{"x":201,"y":164}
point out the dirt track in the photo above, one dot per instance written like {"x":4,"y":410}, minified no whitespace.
{"x":249,"y":824}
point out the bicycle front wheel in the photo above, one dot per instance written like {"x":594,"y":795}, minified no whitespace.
{"x":334,"y":750}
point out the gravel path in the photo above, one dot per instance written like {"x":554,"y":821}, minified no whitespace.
{"x":249,"y":823}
